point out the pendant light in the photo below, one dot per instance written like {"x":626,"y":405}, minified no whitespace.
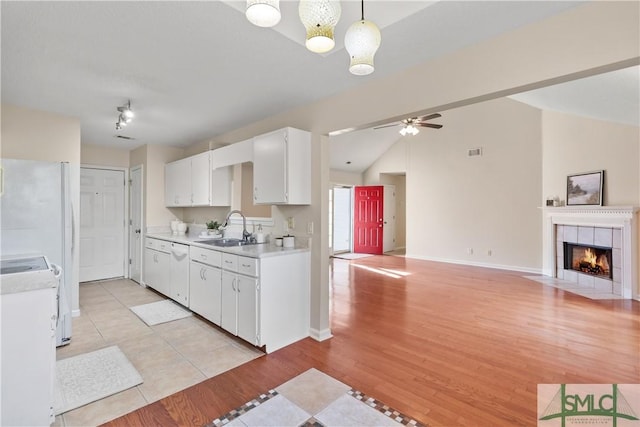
{"x":362,"y":41}
{"x":319,"y":18}
{"x":263,"y":13}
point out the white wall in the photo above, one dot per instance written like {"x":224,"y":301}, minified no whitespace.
{"x":38,"y":135}
{"x":577,"y":144}
{"x":345,"y":178}
{"x":486,"y":203}
{"x":98,"y":155}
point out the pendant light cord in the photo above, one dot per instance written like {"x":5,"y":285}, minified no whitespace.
{"x":362,"y":5}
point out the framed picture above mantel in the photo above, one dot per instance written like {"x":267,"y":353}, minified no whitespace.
{"x":585,"y":189}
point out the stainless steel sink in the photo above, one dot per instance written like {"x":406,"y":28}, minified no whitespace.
{"x":226,"y":242}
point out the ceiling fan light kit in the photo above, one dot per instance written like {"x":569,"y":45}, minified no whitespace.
{"x":409,"y":129}
{"x":263,"y":13}
{"x":319,"y":18}
{"x":410,"y":125}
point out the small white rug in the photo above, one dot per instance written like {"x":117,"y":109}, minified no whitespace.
{"x":160,"y":312}
{"x":352,"y":256}
{"x":92,"y":376}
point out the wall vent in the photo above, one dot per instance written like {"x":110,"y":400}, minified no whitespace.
{"x":473,"y":152}
{"x":128,"y":138}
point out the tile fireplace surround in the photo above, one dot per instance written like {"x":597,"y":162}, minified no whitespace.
{"x":621,"y":221}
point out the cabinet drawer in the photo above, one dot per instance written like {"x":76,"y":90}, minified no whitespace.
{"x":206,"y":256}
{"x":157,"y":244}
{"x":230,"y":262}
{"x":248,"y":266}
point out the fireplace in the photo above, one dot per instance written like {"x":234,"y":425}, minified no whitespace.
{"x":589,"y":259}
{"x":600,"y":228}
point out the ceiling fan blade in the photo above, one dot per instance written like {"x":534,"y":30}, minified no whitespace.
{"x":386,"y":126}
{"x":429,"y":117}
{"x":428,"y":125}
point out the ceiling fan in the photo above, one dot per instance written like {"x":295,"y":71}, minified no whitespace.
{"x":410,"y":125}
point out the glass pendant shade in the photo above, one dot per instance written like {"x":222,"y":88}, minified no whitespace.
{"x":263,"y":13}
{"x":409,"y":129}
{"x":319,"y":18}
{"x":362,"y":40}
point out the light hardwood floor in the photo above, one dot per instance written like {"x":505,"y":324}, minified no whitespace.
{"x":448,"y":345}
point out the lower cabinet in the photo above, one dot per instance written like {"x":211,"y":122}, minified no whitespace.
{"x":156,"y":266}
{"x":239,"y":306}
{"x":205,"y":289}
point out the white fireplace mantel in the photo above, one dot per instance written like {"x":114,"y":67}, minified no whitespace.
{"x":623,"y":217}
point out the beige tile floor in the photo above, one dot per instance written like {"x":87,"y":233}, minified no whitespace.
{"x":170,"y":357}
{"x":314,"y":398}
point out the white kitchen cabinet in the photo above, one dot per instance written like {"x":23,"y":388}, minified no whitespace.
{"x":239,"y":299}
{"x":193,"y":182}
{"x":179,"y":273}
{"x":156,"y":265}
{"x":282,"y":167}
{"x":205,"y":287}
{"x":205,"y":283}
{"x":200,"y":180}
{"x":177,"y":183}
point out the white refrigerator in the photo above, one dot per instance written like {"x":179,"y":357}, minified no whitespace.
{"x":36,"y":219}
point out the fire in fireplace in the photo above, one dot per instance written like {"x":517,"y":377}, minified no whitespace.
{"x":593,"y":260}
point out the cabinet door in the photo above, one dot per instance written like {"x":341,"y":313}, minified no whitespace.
{"x":270,"y":168}
{"x":150,"y":269}
{"x":201,"y":180}
{"x":221,"y":186}
{"x":177,"y":183}
{"x":161,"y":274}
{"x":247,"y":288}
{"x":229,"y":313}
{"x":205,"y":284}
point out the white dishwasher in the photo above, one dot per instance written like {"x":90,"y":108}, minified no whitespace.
{"x":179,"y":273}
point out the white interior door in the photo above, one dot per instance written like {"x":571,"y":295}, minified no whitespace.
{"x":389,"y":217}
{"x":135,"y":223}
{"x":102,"y":224}
{"x":342,"y":219}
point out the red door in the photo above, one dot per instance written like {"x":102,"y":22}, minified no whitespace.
{"x":367,"y":224}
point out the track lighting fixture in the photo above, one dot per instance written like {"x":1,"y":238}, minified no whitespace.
{"x":125,"y":116}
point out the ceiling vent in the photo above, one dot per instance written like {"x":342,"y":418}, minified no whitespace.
{"x":474,"y":152}
{"x":128,"y":138}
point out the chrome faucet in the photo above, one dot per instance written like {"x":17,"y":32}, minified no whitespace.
{"x":245,"y":233}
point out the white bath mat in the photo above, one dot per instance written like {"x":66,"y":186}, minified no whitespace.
{"x":160,"y":312}
{"x":92,"y":376}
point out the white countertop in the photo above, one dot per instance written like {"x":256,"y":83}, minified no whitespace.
{"x":260,"y":250}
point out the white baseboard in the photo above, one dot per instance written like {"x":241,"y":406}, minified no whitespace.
{"x":479,"y":264}
{"x":75,"y":313}
{"x":322,"y":335}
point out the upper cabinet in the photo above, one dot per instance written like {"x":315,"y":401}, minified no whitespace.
{"x":177,"y":183}
{"x":282,"y":167}
{"x":193,"y":182}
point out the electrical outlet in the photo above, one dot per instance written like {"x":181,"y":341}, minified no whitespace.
{"x":470,"y":251}
{"x":489,"y":252}
{"x":310,"y":228}
{"x":291,"y":223}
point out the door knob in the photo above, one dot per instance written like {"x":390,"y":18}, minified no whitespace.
{"x":137,"y":230}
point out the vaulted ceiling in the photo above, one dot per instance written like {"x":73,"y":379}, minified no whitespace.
{"x":194,"y":70}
